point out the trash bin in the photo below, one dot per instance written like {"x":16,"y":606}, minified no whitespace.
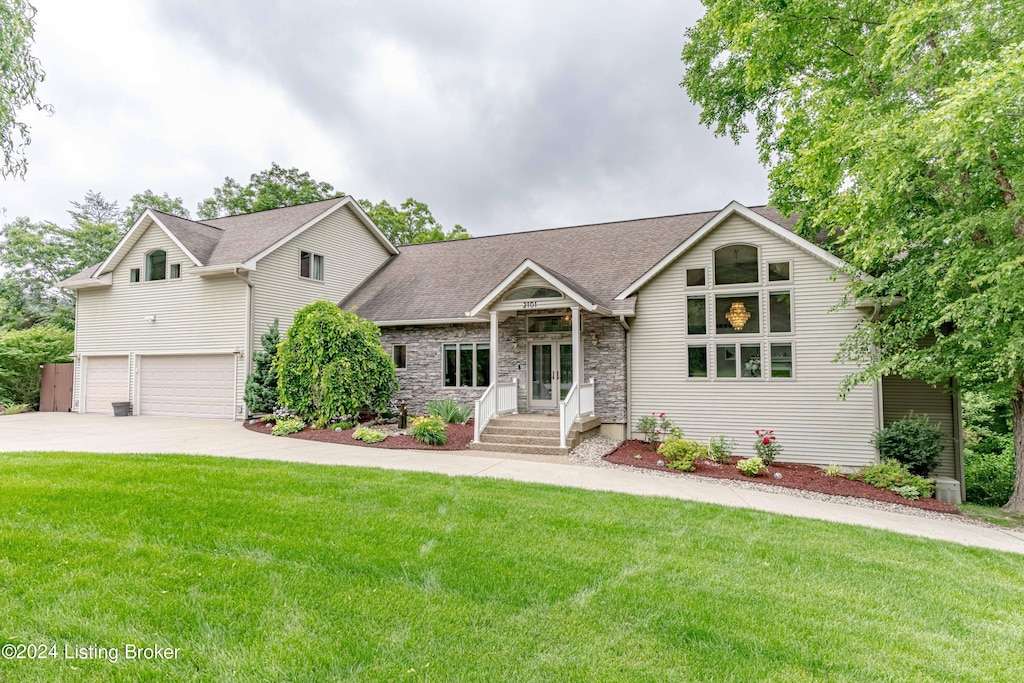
{"x":122,"y":408}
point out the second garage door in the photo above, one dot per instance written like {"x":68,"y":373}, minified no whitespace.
{"x":187,"y":386}
{"x":106,"y":381}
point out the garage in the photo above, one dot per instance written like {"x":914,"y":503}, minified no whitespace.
{"x":200,"y":386}
{"x":106,"y":381}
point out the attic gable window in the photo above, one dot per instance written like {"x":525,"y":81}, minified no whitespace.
{"x":311,"y":265}
{"x":156,"y":265}
{"x":736,"y":264}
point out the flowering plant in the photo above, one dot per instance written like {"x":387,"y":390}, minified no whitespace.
{"x":766,"y":445}
{"x":654,"y":427}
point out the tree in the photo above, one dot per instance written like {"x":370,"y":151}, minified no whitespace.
{"x":261,"y":385}
{"x":411,"y":224}
{"x":897,"y":128}
{"x":20,"y":74}
{"x":150,"y":200}
{"x":36,"y":256}
{"x":270,"y":189}
{"x":331,"y":364}
{"x":21,"y":354}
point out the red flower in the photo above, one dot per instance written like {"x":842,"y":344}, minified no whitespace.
{"x":766,"y":439}
{"x":662,"y":415}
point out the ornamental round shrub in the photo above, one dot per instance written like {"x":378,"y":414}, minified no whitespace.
{"x":331,"y":364}
{"x":913,"y":440}
{"x":680,"y":453}
{"x":751,"y":466}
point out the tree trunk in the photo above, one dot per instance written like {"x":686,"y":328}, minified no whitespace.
{"x":1016,"y":503}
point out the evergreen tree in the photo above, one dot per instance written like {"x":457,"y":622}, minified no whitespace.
{"x":261,"y":385}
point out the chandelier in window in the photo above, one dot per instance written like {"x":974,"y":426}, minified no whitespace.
{"x":738,"y":315}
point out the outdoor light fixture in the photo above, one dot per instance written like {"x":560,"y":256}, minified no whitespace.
{"x":150,"y":318}
{"x":737,"y":315}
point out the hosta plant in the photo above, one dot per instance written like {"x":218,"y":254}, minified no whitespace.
{"x":288,"y":425}
{"x":367,"y":435}
{"x":751,"y":466}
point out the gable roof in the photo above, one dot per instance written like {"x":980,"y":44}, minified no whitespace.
{"x":233,"y":239}
{"x":441,"y":281}
{"x":571,"y":289}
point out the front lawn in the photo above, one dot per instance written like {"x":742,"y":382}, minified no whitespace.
{"x":272,"y":571}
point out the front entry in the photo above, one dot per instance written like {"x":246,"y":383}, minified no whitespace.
{"x":550,"y":373}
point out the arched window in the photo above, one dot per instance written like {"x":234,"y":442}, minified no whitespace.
{"x":156,"y":265}
{"x":533,"y":293}
{"x":736,"y":264}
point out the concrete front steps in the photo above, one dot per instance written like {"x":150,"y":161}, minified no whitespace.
{"x":531,"y":433}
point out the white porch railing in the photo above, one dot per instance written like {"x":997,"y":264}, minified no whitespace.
{"x":498,"y":399}
{"x":579,"y":401}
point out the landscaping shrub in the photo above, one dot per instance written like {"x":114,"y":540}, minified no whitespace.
{"x":344,"y":424}
{"x":367,"y":435}
{"x":913,"y":441}
{"x":288,"y":425}
{"x":833,"y":470}
{"x":429,"y":429}
{"x":989,"y":477}
{"x":907,"y":491}
{"x":751,"y":466}
{"x":891,"y":475}
{"x":21,"y":354}
{"x":331,"y":364}
{"x":680,"y":453}
{"x":261,"y":384}
{"x":720,"y":449}
{"x":15,"y":408}
{"x":450,"y":411}
{"x":766,"y":445}
{"x":653,"y":426}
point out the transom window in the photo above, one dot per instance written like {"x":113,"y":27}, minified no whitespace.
{"x":311,"y":265}
{"x":736,"y":264}
{"x":156,"y":265}
{"x":540,"y":324}
{"x":467,"y":365}
{"x":533,"y":293}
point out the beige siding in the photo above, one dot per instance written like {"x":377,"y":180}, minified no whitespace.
{"x":193,"y":314}
{"x":809,"y":418}
{"x":900,"y":396}
{"x":351,"y":253}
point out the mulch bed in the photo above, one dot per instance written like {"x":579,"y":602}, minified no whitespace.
{"x":459,"y":437}
{"x":806,"y":477}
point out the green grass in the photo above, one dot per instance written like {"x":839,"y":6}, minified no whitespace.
{"x":264,"y":571}
{"x":993,"y":515}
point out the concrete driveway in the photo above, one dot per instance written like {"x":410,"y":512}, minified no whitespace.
{"x":107,"y":434}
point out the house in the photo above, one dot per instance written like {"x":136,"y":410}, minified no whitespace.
{"x":726,"y":321}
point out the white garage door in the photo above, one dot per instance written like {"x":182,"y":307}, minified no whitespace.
{"x":187,"y":386}
{"x":106,"y":381}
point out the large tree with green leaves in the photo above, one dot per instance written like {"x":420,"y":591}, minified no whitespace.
{"x":411,"y":223}
{"x":270,"y":189}
{"x":897,"y":128}
{"x":138,"y":204}
{"x":35,"y":256}
{"x":20,"y":75}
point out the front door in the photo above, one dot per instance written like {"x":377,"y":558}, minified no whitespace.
{"x":550,"y":373}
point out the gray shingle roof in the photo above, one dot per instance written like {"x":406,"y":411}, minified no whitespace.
{"x":442,"y":280}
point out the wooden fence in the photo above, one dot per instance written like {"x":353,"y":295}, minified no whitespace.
{"x":56,"y":387}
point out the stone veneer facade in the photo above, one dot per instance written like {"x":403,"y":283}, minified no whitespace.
{"x":603,"y":343}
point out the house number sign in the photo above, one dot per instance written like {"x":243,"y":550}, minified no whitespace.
{"x":529,"y":304}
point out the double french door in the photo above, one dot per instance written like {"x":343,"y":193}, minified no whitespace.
{"x":550,"y":373}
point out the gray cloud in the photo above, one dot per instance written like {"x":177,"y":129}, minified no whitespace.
{"x":502,"y":118}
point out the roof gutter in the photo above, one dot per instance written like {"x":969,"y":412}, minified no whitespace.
{"x":222,"y":269}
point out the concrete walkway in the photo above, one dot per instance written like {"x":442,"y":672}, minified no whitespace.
{"x":107,"y":434}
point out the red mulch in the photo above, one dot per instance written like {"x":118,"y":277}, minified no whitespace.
{"x":794,"y":476}
{"x":459,"y":437}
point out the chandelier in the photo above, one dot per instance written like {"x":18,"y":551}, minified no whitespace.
{"x":737,"y":315}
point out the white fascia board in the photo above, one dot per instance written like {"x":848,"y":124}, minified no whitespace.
{"x":426,"y":321}
{"x":734,"y":208}
{"x":346,"y":201}
{"x":129,"y":239}
{"x":516,"y":274}
{"x":223,"y":268}
{"x":104,"y":280}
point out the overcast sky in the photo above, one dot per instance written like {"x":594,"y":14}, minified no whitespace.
{"x":501,"y":116}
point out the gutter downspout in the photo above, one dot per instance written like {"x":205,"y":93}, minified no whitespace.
{"x":248,"y":336}
{"x":879,"y":396}
{"x":628,"y":431}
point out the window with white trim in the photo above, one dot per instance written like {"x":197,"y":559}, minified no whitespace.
{"x":311,"y":266}
{"x":466,"y":365}
{"x":156,"y":265}
{"x":741,"y":322}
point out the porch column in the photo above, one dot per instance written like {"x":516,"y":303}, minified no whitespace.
{"x":577,"y":347}
{"x":494,"y":347}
